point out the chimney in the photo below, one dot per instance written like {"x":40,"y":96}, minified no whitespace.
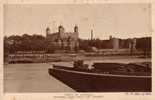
{"x":91,"y":34}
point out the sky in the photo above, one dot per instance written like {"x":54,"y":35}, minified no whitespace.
{"x":118,"y":20}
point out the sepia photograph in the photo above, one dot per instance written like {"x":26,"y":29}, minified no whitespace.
{"x":77,"y":48}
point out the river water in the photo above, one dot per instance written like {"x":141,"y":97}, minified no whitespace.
{"x":31,"y":78}
{"x":35,"y":78}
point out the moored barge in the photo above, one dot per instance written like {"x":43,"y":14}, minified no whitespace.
{"x":105,"y":77}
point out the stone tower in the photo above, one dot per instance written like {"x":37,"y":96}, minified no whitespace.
{"x":115,"y":43}
{"x":61,"y":30}
{"x":76,"y":29}
{"x":48,"y":31}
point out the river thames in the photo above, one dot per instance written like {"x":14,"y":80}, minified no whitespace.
{"x":34,"y":77}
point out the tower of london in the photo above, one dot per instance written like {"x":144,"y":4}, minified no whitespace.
{"x":64,"y":40}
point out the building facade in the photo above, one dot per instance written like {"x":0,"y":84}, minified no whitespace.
{"x":64,"y":40}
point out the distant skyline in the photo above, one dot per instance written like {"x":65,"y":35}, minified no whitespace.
{"x":118,"y":20}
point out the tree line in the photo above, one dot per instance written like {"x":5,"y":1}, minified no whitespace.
{"x":35,"y":42}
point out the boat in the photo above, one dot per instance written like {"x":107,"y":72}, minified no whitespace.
{"x":105,"y":77}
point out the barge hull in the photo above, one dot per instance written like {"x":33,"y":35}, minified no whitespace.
{"x":90,"y":82}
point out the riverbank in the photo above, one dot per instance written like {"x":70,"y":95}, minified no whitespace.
{"x":62,"y":57}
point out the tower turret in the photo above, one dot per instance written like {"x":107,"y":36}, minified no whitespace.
{"x":76,"y":29}
{"x":48,"y":31}
{"x":61,"y":30}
